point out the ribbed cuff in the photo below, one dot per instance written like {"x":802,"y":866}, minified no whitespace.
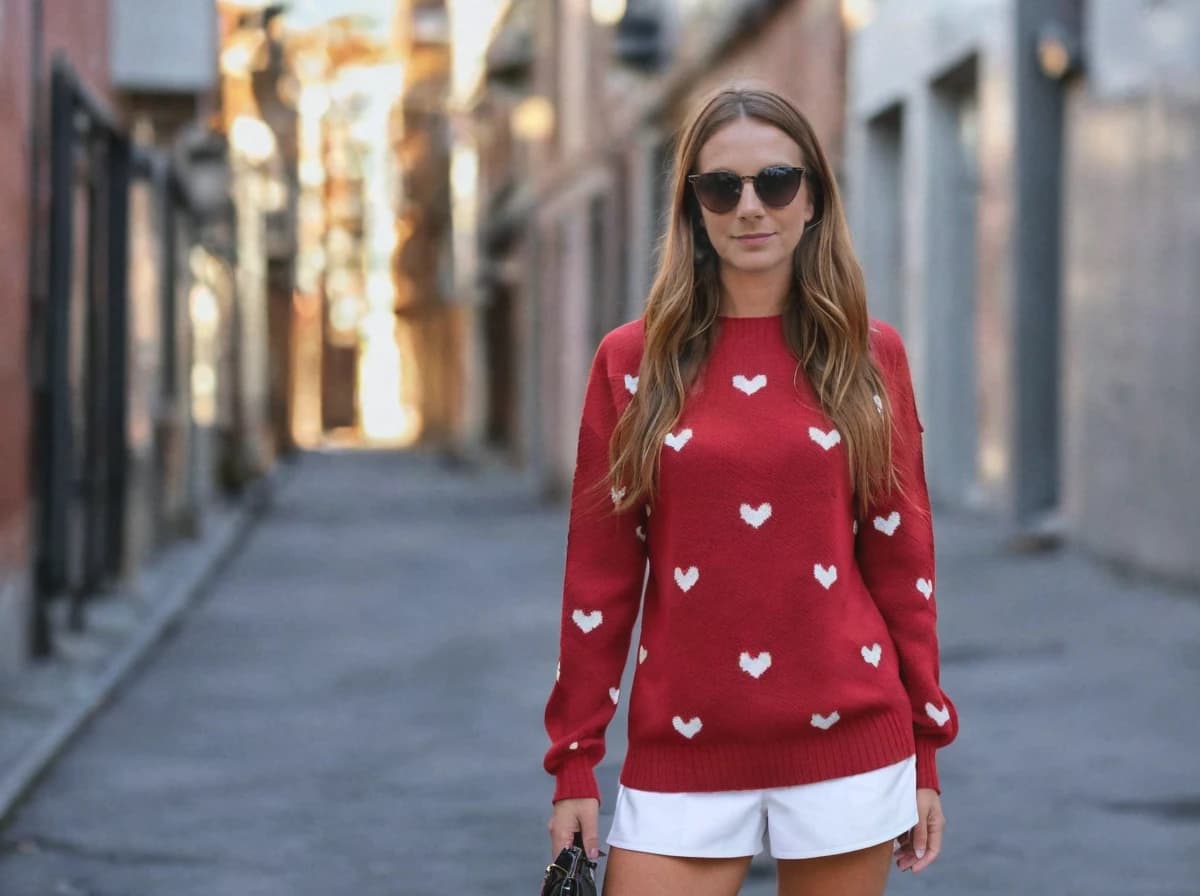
{"x":927,"y":775}
{"x":576,"y":780}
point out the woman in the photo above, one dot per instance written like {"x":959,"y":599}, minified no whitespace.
{"x":755,"y":438}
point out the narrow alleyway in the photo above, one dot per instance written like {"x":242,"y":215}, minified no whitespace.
{"x":357,"y":708}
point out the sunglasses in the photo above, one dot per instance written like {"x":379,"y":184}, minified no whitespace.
{"x":720,"y":191}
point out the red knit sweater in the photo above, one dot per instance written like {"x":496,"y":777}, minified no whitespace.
{"x":783,"y":640}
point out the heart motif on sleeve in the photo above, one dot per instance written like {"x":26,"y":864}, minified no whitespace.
{"x":749,"y":386}
{"x":754,"y":666}
{"x":587,"y":621}
{"x":641,"y":532}
{"x":688,"y":729}
{"x":825,"y":722}
{"x":642,"y":652}
{"x":617,"y":494}
{"x":925,"y":587}
{"x":825,"y":439}
{"x":756,"y":516}
{"x":614,"y":694}
{"x":686,"y":579}
{"x":677,"y":441}
{"x":826,"y":576}
{"x":941,"y":714}
{"x":873,"y":654}
{"x":888,"y":526}
{"x":574,"y":745}
{"x":631,"y":383}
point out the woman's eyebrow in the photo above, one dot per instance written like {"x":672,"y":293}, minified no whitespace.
{"x":722,"y":168}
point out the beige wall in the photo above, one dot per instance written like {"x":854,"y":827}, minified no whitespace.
{"x":1132,"y":324}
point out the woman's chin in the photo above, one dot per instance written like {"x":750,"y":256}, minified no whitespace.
{"x":755,"y":262}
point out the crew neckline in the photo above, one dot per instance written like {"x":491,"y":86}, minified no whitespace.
{"x":774,"y":316}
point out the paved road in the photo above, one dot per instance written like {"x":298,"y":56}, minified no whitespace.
{"x":356,"y":708}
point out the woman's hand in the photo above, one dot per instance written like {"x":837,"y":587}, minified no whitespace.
{"x":571,"y":816}
{"x":920,"y":846}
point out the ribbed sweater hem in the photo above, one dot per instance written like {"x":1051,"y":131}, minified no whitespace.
{"x":927,"y":774}
{"x":852,"y":746}
{"x":576,"y":780}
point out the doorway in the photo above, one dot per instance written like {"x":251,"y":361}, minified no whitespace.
{"x":955,"y":403}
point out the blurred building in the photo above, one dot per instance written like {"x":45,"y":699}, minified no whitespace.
{"x":1024,"y":181}
{"x":432,"y":318}
{"x":63,"y":475}
{"x":124,"y":311}
{"x":376,"y":358}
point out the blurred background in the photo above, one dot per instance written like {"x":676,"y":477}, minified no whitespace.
{"x":349,"y":259}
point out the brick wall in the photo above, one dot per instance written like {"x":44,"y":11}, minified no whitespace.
{"x":79,"y":28}
{"x":801,"y":53}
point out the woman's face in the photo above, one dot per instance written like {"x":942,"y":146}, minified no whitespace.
{"x":754,"y":237}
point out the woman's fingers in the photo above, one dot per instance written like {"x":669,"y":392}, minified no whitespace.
{"x":934,"y":826}
{"x":571,"y":816}
{"x":917,"y":848}
{"x":591,"y":837}
{"x":561,"y":833}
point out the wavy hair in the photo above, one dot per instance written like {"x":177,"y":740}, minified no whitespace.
{"x":825,"y":319}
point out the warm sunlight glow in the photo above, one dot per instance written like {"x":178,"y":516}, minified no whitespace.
{"x":608,"y":12}
{"x":533,"y":119}
{"x":252,"y":139}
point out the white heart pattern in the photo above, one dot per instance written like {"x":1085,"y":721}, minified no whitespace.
{"x":826,"y":576}
{"x":749,"y":386}
{"x":685,"y":580}
{"x":825,"y":439}
{"x":558,"y":671}
{"x":587,"y":621}
{"x":574,"y":745}
{"x":641,"y":532}
{"x":755,"y":666}
{"x":888,"y":526}
{"x":631,"y":382}
{"x":678,"y":441}
{"x":614,"y":694}
{"x":878,"y":403}
{"x":873,"y":654}
{"x":925,"y":587}
{"x":941,"y":715}
{"x":825,"y":722}
{"x":756,"y":516}
{"x":854,"y":527}
{"x":617,"y":494}
{"x":688,"y":729}
{"x":642,"y":654}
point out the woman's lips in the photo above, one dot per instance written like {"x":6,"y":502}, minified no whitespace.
{"x":753,"y":239}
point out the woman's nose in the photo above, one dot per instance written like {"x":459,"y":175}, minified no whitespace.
{"x":749,"y":205}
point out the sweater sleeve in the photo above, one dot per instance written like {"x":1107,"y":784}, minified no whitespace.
{"x":602,"y":588}
{"x":895,"y":554}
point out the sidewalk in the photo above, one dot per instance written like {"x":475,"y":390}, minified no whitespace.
{"x":356,"y":707}
{"x":49,"y":703}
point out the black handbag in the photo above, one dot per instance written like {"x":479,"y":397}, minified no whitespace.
{"x":571,"y":874}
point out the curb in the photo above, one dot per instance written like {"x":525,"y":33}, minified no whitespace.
{"x":212,"y":554}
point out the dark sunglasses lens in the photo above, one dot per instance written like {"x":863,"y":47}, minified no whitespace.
{"x":777,"y":186}
{"x":718,"y":191}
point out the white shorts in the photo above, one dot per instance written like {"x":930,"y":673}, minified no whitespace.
{"x":805,"y":821}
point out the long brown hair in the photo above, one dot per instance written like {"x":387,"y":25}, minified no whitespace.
{"x":825,"y":319}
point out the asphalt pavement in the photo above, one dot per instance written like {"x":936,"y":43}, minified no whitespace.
{"x":356,"y":707}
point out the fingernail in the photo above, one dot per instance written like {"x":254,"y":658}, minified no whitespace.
{"x":920,"y":853}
